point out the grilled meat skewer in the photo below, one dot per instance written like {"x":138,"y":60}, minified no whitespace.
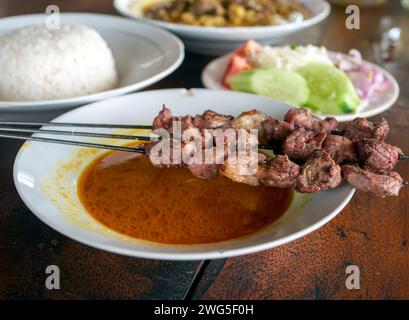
{"x":362,"y":128}
{"x":380,"y":185}
{"x":320,"y":172}
{"x":377,"y":156}
{"x":340,"y":148}
{"x":279,"y":172}
{"x":305,"y":139}
{"x":303,"y":118}
{"x":301,"y":143}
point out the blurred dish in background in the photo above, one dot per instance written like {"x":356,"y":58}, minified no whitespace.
{"x":142,"y":55}
{"x":224,"y":13}
{"x":216,"y":40}
{"x":70,"y":61}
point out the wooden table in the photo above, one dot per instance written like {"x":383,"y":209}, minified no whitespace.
{"x":371,"y":233}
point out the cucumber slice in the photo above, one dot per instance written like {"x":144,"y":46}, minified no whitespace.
{"x":331,"y":91}
{"x":280,"y":84}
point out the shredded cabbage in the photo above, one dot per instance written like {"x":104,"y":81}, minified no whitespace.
{"x":289,"y":57}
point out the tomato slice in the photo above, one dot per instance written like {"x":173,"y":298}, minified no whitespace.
{"x":240,"y":61}
{"x":237,"y":64}
{"x":249,"y":49}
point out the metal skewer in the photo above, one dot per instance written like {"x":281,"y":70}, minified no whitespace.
{"x":73,"y":143}
{"x":21,"y":127}
{"x":403,"y":157}
{"x":79,"y":134}
{"x":68,"y":124}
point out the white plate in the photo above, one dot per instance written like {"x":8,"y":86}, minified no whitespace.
{"x":220,"y":40}
{"x":213,"y":73}
{"x":143,"y":55}
{"x":42,"y":184}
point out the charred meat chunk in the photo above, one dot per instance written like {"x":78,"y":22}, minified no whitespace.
{"x":340,"y":148}
{"x":209,"y":120}
{"x":217,"y":120}
{"x":243,"y":170}
{"x":212,"y":120}
{"x":303,"y":118}
{"x":301,"y":144}
{"x":249,"y":120}
{"x":328,"y":125}
{"x":163,"y":157}
{"x":209,"y":164}
{"x":320,"y":172}
{"x":377,"y":156}
{"x":239,"y":173}
{"x":275,"y":130}
{"x":163,"y":120}
{"x":280,"y":172}
{"x":362,"y":128}
{"x":380,"y":185}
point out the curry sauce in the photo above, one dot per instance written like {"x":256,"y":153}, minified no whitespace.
{"x":125,"y":192}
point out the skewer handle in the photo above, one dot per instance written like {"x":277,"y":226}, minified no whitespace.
{"x":403,"y":157}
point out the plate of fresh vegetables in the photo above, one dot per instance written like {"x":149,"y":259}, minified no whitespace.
{"x":340,"y":85}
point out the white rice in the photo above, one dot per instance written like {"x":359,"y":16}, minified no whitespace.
{"x":37,"y":63}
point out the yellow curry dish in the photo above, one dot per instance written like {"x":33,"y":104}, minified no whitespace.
{"x":226,"y":13}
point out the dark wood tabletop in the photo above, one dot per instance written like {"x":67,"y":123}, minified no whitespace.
{"x":371,"y":233}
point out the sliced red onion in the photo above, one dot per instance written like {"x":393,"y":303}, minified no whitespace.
{"x":367,"y":80}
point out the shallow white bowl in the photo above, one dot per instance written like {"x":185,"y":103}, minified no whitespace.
{"x":213,"y":73}
{"x":46,"y":177}
{"x":220,"y":40}
{"x":143,"y":55}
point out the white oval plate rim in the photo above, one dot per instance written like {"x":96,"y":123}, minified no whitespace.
{"x":22,"y":106}
{"x":211,"y":254}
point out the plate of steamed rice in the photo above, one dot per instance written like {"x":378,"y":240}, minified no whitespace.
{"x":85,"y":58}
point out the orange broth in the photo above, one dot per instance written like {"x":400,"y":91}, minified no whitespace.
{"x":125,"y":192}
